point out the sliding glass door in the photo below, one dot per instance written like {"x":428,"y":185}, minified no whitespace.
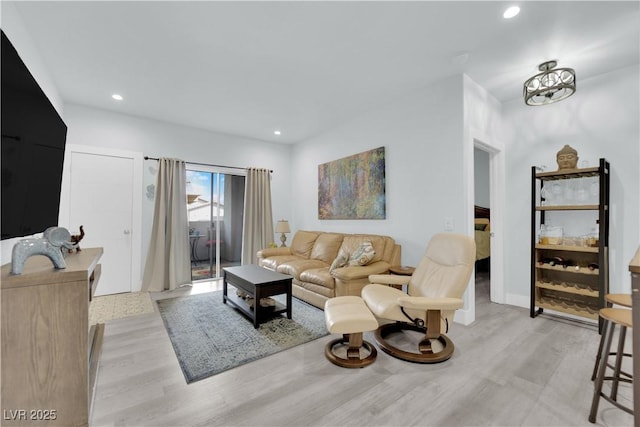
{"x":215,"y":205}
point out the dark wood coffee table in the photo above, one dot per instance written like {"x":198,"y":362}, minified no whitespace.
{"x":259,"y":283}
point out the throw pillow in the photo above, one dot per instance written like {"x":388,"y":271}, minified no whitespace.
{"x":363,"y":255}
{"x":341,"y":260}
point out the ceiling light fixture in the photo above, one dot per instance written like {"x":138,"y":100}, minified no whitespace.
{"x":551,"y":85}
{"x":276,"y":132}
{"x":117,"y":97}
{"x":511,"y":12}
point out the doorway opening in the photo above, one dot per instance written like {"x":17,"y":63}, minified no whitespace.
{"x":489,"y":160}
{"x":215,"y":208}
{"x":482,"y":224}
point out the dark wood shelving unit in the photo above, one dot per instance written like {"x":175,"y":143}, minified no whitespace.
{"x":575,"y":289}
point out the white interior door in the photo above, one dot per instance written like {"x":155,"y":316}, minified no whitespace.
{"x":101,"y":194}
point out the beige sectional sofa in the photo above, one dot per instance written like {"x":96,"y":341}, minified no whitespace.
{"x":311,"y":255}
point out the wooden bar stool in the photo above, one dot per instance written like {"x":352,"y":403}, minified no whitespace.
{"x":611,"y":318}
{"x":623,"y":300}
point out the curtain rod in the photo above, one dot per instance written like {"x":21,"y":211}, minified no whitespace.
{"x":205,"y":164}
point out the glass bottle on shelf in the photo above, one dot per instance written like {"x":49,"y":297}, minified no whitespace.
{"x":594,"y":191}
{"x":542,"y":237}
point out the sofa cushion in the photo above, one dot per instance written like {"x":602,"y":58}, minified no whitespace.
{"x":326,"y":247}
{"x":296,"y":267}
{"x":318,"y":276}
{"x":363,"y":255}
{"x":314,"y":288}
{"x":273,"y":262}
{"x":302,"y":243}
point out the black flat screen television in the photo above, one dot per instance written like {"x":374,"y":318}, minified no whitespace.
{"x":33,"y":142}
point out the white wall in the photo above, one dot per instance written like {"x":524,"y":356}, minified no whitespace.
{"x":600,"y":120}
{"x":106,"y":129}
{"x":482,"y":112}
{"x":422,"y":136}
{"x":15,"y":31}
{"x":14,"y":28}
{"x":483,"y":127}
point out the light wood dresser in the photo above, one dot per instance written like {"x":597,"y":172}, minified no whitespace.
{"x":49,"y":353}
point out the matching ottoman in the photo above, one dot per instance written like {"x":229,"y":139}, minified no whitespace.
{"x":349,"y":316}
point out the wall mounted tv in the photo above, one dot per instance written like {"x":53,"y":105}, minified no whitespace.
{"x":33,"y":141}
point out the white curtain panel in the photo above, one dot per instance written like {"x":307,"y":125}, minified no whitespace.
{"x":257,"y":232}
{"x":168,"y":264}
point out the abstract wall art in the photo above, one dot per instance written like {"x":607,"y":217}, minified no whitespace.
{"x":353,"y":187}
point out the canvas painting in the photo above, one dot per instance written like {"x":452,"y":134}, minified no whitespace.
{"x":353,"y":187}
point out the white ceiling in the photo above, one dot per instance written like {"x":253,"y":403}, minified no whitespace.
{"x":248,"y":68}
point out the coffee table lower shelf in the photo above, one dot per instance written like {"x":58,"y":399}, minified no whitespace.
{"x":259,"y":283}
{"x":241,"y":304}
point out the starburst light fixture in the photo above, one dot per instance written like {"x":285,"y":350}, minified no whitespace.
{"x":551,"y":85}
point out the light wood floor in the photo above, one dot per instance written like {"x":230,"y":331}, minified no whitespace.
{"x":507,"y":370}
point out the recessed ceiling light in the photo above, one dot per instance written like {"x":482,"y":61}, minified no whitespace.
{"x":276,"y":132}
{"x":117,"y":97}
{"x":511,"y":12}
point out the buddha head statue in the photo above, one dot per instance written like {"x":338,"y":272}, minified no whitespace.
{"x":567,"y":158}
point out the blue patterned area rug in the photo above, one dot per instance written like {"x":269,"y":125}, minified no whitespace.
{"x":210,"y":337}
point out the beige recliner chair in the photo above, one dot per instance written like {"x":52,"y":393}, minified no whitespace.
{"x":434,"y":292}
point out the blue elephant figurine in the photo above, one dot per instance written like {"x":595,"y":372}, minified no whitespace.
{"x":50,"y":245}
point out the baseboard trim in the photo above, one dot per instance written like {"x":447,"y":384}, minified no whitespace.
{"x":518,"y":300}
{"x":464,"y":317}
